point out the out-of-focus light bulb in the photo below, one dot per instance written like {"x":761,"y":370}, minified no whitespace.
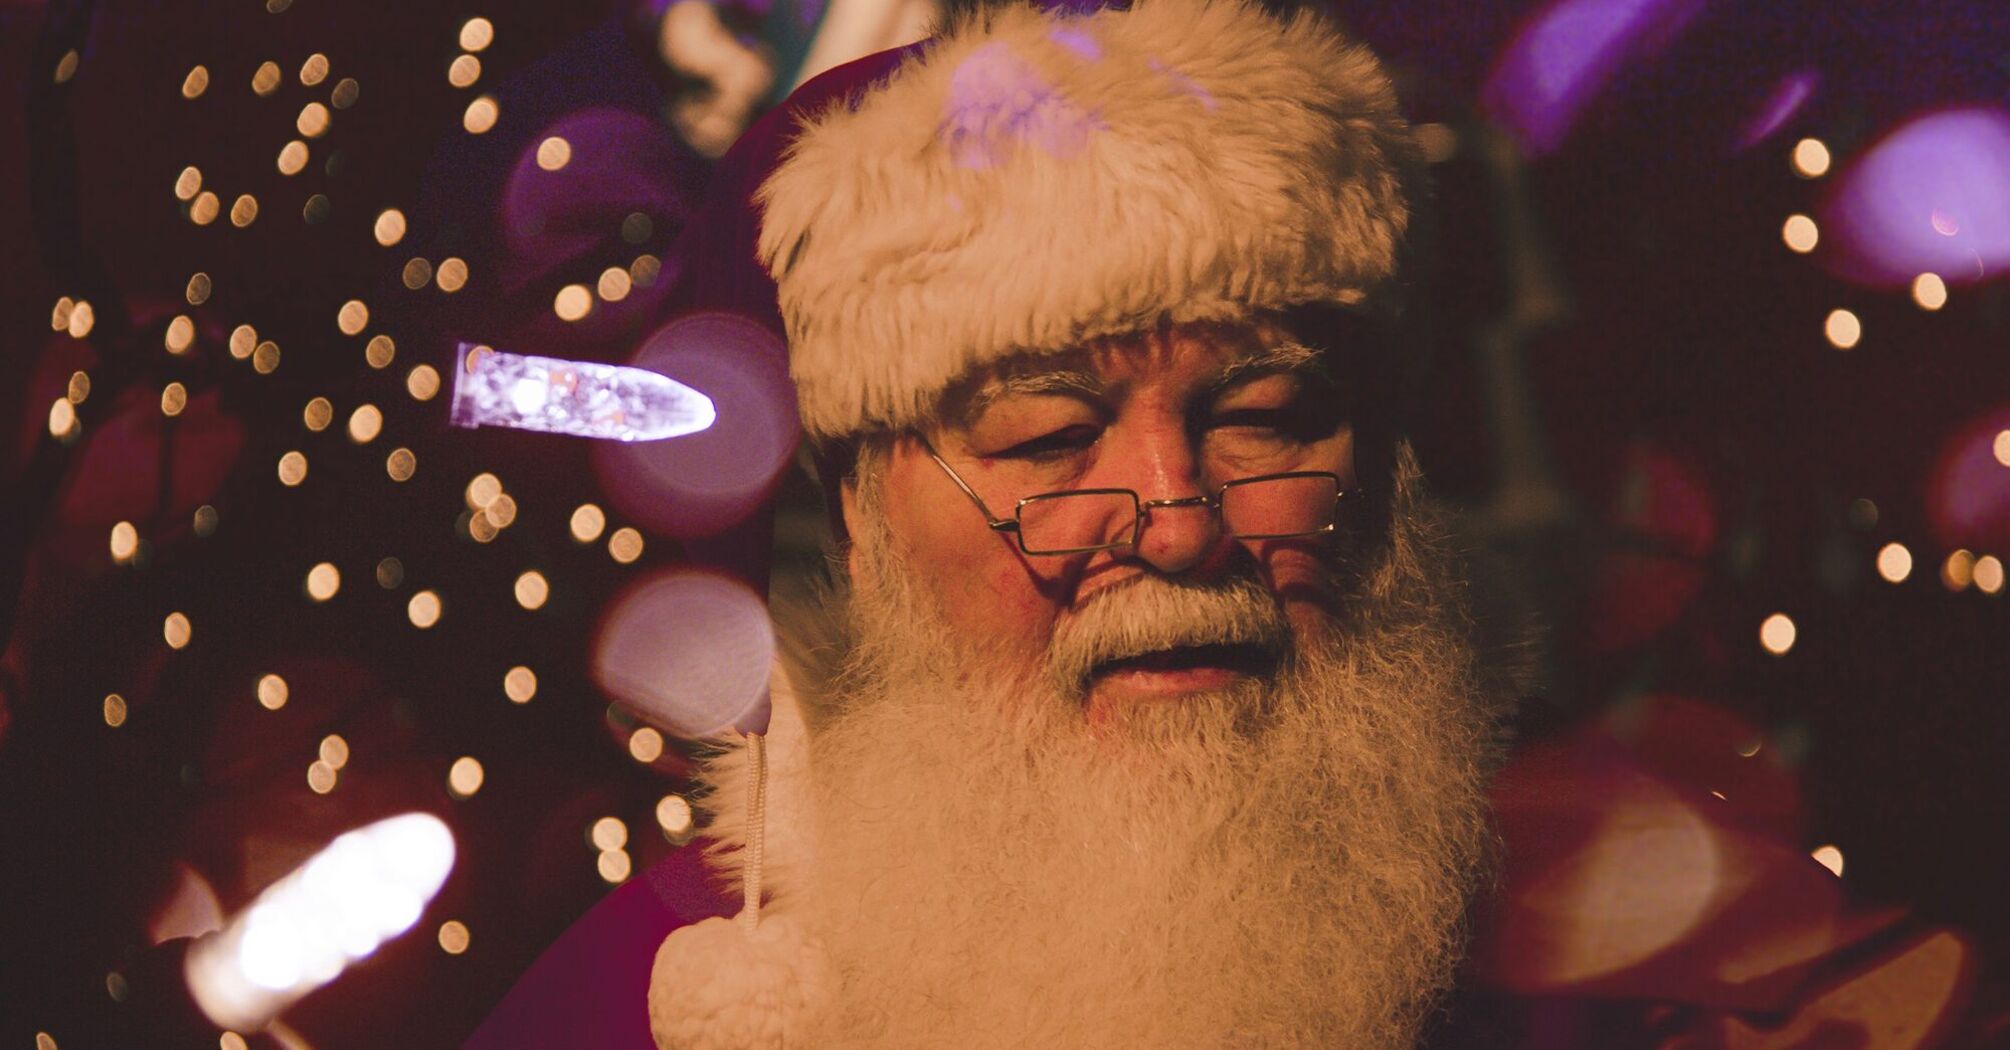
{"x":583,"y":398}
{"x":366,"y":887}
{"x":1777,"y":634}
{"x":1800,"y":233}
{"x":1929,"y":291}
{"x":1894,"y":562}
{"x":1811,"y":158}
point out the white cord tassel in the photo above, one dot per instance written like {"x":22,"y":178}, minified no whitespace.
{"x":739,"y":984}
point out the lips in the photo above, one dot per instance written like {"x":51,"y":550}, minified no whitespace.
{"x":1240,"y":658}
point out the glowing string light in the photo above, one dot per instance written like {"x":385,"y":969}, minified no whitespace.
{"x":366,"y":887}
{"x":583,"y":398}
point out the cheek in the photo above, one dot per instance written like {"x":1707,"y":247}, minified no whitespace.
{"x":984,"y":587}
{"x":1302,"y":581}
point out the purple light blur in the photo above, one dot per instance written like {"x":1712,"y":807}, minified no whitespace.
{"x":998,"y":103}
{"x":1968,"y":492}
{"x":689,"y":649}
{"x":1786,"y":100}
{"x":704,"y":483}
{"x":621,"y":162}
{"x":1931,"y":197}
{"x":1563,"y":58}
{"x":581,"y":398}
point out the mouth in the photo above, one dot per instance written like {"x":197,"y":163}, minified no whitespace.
{"x":1183,"y":669}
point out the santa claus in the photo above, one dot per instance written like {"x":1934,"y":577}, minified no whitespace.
{"x":1154,"y":719}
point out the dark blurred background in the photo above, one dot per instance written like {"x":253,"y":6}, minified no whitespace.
{"x":1717,"y":326}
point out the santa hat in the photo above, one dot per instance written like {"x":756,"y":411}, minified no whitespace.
{"x":1032,"y":179}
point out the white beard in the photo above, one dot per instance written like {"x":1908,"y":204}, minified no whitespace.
{"x":1281,"y":865}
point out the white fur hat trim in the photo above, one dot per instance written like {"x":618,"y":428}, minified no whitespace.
{"x":1032,"y":180}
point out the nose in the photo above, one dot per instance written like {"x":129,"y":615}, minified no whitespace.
{"x":1180,"y":532}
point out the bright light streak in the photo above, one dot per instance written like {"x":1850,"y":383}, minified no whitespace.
{"x":583,"y":398}
{"x":366,"y":887}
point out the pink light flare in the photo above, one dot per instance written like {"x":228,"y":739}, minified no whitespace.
{"x":1786,"y":99}
{"x":1968,"y":489}
{"x":689,"y":649}
{"x":1932,"y":196}
{"x":1564,"y":56}
{"x":704,"y":483}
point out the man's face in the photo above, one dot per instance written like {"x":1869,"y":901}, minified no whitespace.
{"x":1170,"y":414}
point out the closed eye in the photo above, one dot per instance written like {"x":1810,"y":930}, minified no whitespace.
{"x":1053,"y":444}
{"x":1292,"y":422}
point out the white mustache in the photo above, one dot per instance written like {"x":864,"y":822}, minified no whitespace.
{"x":1152,"y":613}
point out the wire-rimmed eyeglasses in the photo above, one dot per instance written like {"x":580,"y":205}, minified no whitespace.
{"x":1078,"y":521}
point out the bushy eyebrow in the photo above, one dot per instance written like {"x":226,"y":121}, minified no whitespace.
{"x":1282,"y":358}
{"x":1065,"y":381}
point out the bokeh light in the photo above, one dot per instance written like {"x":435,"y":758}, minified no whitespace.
{"x":323,"y":581}
{"x":1843,"y":329}
{"x":464,"y":71}
{"x":176,"y":630}
{"x":292,"y":158}
{"x":587,"y":522}
{"x":265,"y":80}
{"x":422,"y":382}
{"x":1563,"y":56}
{"x":1927,"y":198}
{"x":1929,"y":291}
{"x":313,"y":120}
{"x":1800,"y":233}
{"x":625,"y":545}
{"x":423,"y":609}
{"x":174,"y":398}
{"x":465,"y":777}
{"x":390,"y":573}
{"x":180,"y":333}
{"x":197,"y":82}
{"x":520,"y":685}
{"x":244,"y":210}
{"x":265,"y":357}
{"x":352,"y":317}
{"x":1777,"y":634}
{"x":186,"y":186}
{"x":1988,"y":574}
{"x":554,"y":153}
{"x":380,"y":351}
{"x":365,"y":423}
{"x":532,"y":590}
{"x":203,"y":210}
{"x":321,"y":777}
{"x":608,"y":833}
{"x":335,"y":751}
{"x":1894,"y":562}
{"x":417,"y":273}
{"x":1811,"y":158}
{"x":401,"y":464}
{"x":645,"y":745}
{"x":614,"y":865}
{"x":1829,"y":857}
{"x":481,"y":115}
{"x":572,"y":302}
{"x":477,"y":34}
{"x":125,"y":541}
{"x":390,"y":227}
{"x":452,"y":274}
{"x":673,"y":815}
{"x":614,"y":284}
{"x":242,"y":339}
{"x":707,"y":676}
{"x":314,"y":70}
{"x":318,"y":414}
{"x":199,"y":288}
{"x":272,"y":692}
{"x":292,"y":469}
{"x":453,"y":937}
{"x":1958,"y":571}
{"x":115,"y":710}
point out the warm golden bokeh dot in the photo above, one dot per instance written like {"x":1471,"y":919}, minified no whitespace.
{"x":673,"y":815}
{"x":334,"y":751}
{"x":186,"y":186}
{"x":323,"y":581}
{"x":205,"y":520}
{"x":501,"y":511}
{"x":625,"y":545}
{"x":125,"y":541}
{"x":464,"y":71}
{"x":177,"y":630}
{"x":1958,"y":571}
{"x":452,"y":274}
{"x":587,"y":522}
{"x":1800,"y":233}
{"x":199,"y":289}
{"x":320,"y":777}
{"x":79,"y":388}
{"x":608,"y":833}
{"x":266,"y":80}
{"x":45,"y":1041}
{"x":423,"y":609}
{"x":614,"y":284}
{"x":242,"y":339}
{"x":314,"y":70}
{"x":272,"y":692}
{"x":62,"y":418}
{"x":115,"y":710}
{"x":1829,"y":857}
{"x":417,"y":273}
{"x":381,"y":351}
{"x":180,"y":333}
{"x":1777,"y":634}
{"x":1929,"y":291}
{"x":292,"y":469}
{"x":422,"y":382}
{"x":66,"y":67}
{"x":453,"y":937}
{"x":483,"y":490}
{"x":481,"y":115}
{"x":644,"y":270}
{"x":202,"y":211}
{"x":645,"y":745}
{"x":520,"y":685}
{"x":554,"y":153}
{"x":174,"y":398}
{"x":292,"y":157}
{"x":390,"y":227}
{"x":230,"y":1041}
{"x":532,"y":590}
{"x":477,"y":34}
{"x":352,"y":317}
{"x":1894,"y":562}
{"x":1843,"y":329}
{"x":465,"y":777}
{"x":572,"y":302}
{"x":83,"y":317}
{"x":318,"y":413}
{"x":59,"y":316}
{"x":614,"y":865}
{"x":313,"y":120}
{"x":480,"y":528}
{"x":265,"y":357}
{"x":401,"y":464}
{"x":1988,"y":574}
{"x":390,"y":573}
{"x":1811,"y":158}
{"x":473,"y":360}
{"x":347,"y":90}
{"x":365,"y":423}
{"x":197,"y":82}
